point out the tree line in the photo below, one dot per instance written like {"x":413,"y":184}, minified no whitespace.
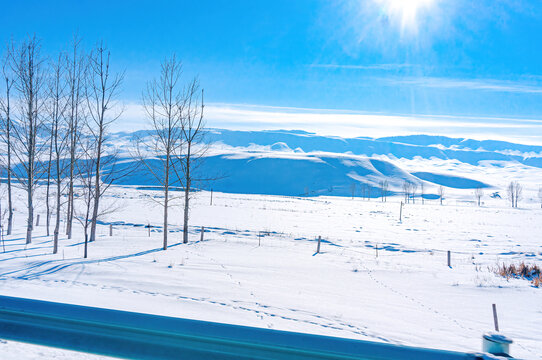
{"x":56,"y":114}
{"x":514,"y":192}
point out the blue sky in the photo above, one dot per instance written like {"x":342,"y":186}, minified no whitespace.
{"x":373,"y":67}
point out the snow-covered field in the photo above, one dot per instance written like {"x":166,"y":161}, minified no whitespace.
{"x":257,"y":266}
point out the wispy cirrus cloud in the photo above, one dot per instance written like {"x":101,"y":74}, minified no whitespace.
{"x":493,"y":85}
{"x":383,"y":67}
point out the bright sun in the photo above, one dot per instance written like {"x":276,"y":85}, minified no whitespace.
{"x":405,"y":10}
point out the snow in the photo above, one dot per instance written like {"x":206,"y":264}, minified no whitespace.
{"x":407,"y":295}
{"x":263,"y":162}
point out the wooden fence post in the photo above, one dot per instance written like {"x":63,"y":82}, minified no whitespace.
{"x":211,"y":196}
{"x":149,"y":230}
{"x":202,"y":231}
{"x":449,"y":258}
{"x":318,"y":248}
{"x":38,"y":220}
{"x":110,"y":229}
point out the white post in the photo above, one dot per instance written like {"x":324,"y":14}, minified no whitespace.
{"x":496,"y":344}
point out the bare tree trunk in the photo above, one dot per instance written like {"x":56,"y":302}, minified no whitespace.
{"x":187,"y":194}
{"x":166,"y":196}
{"x":76,"y":69}
{"x":193,"y":135}
{"x":10,"y":200}
{"x":69,"y":210}
{"x":57,"y":222}
{"x":5,"y":107}
{"x":166,"y":206}
{"x":47,"y":192}
{"x":97,"y":194}
{"x":30,"y":218}
{"x":85,"y":255}
{"x":26,"y":65}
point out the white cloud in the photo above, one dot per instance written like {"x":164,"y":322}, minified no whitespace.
{"x":384,"y":67}
{"x":469,"y":84}
{"x":352,"y":123}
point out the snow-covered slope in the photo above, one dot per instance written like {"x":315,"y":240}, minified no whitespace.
{"x":257,"y":266}
{"x":299,"y":163}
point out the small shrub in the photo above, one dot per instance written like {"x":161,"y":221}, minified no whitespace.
{"x":533,"y":273}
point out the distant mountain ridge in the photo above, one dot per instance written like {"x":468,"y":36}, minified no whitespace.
{"x":300,"y":163}
{"x":425,"y":146}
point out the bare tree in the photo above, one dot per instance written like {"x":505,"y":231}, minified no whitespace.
{"x":353,"y":189}
{"x":406,"y":191}
{"x":478,"y":193}
{"x":76,"y":65}
{"x":56,"y":108}
{"x":409,"y":189}
{"x":441,"y":193}
{"x":6,"y":132}
{"x":514,"y":190}
{"x":84,"y":195}
{"x":28,"y":129}
{"x":422,"y":189}
{"x":101,"y":90}
{"x":413,"y":189}
{"x":193,"y":132}
{"x":511,"y":193}
{"x":48,"y":180}
{"x":518,"y":192}
{"x":384,"y":190}
{"x":163,"y":101}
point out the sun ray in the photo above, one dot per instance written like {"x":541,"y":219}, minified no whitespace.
{"x":405,"y":11}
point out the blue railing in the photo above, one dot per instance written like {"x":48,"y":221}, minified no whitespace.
{"x":143,"y":336}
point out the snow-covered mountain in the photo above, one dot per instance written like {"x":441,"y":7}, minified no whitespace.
{"x":284,"y":162}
